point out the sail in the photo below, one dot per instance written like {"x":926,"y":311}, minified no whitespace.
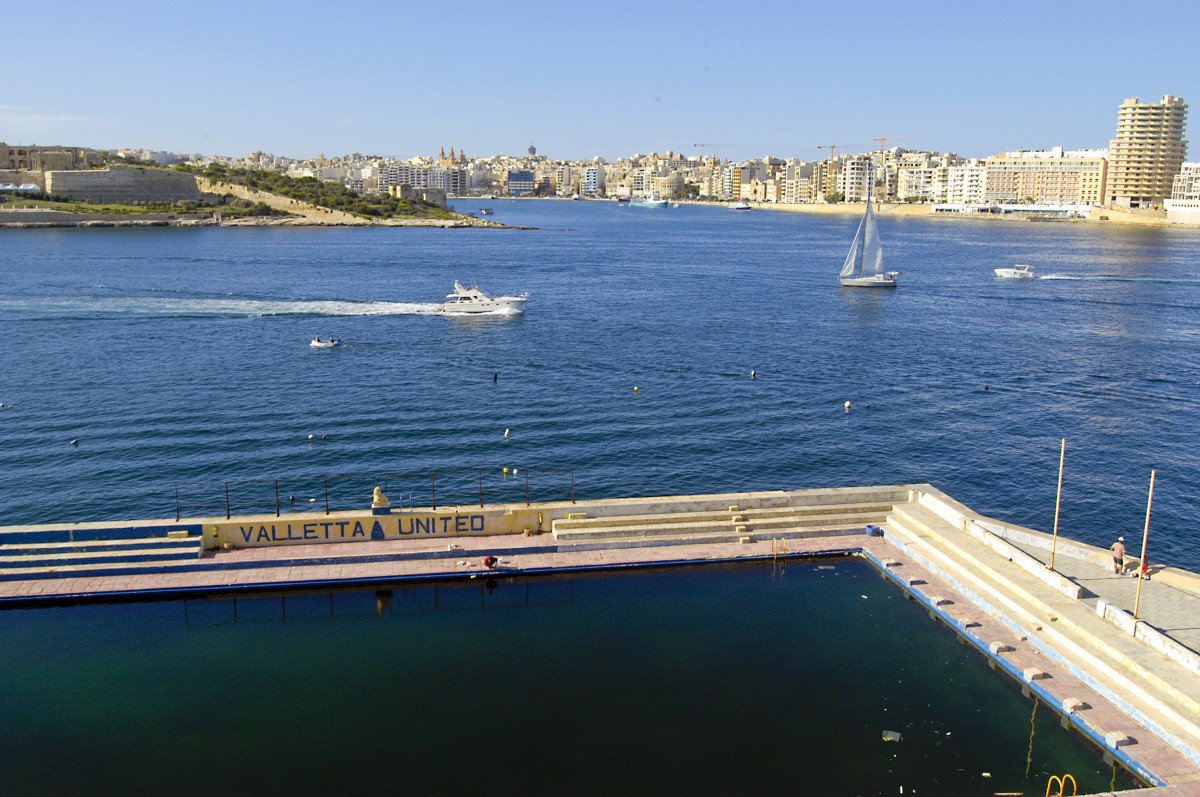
{"x":853,"y":266}
{"x":866,"y":253}
{"x":872,"y":255}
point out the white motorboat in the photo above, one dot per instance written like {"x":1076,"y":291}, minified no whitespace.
{"x":651,"y":202}
{"x":864,"y":263}
{"x":741,"y":204}
{"x":472,"y":301}
{"x":325,"y":343}
{"x":1020,"y":271}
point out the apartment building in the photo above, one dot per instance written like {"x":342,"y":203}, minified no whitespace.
{"x":1184,"y":205}
{"x":1147,"y":153}
{"x":563,"y":180}
{"x":1186,"y":184}
{"x":1051,"y":176}
{"x":965,"y":183}
{"x":593,"y":180}
{"x":800,"y":183}
{"x":857,"y":172}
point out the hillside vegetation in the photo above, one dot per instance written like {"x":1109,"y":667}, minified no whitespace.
{"x":334,"y":196}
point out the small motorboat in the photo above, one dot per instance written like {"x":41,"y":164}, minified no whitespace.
{"x":741,"y":204}
{"x":325,"y":343}
{"x":472,"y":301}
{"x":486,"y":211}
{"x":1018,"y":272}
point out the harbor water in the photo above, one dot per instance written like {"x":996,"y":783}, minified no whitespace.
{"x":142,"y":362}
{"x":177,"y":356}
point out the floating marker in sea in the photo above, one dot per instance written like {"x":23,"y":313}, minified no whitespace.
{"x":505,"y":434}
{"x":75,"y":442}
{"x":847,"y":406}
{"x":310,"y":437}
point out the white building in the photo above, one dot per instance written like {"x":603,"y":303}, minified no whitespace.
{"x":593,"y":180}
{"x":852,"y":182}
{"x":1184,"y":205}
{"x":966,"y":184}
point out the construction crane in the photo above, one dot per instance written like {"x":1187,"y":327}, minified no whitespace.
{"x":883,"y":140}
{"x":702,"y":146}
{"x":833,"y":148}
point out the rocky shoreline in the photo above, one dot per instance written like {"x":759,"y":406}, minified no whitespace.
{"x":44,"y":219}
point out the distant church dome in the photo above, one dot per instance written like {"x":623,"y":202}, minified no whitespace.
{"x":532,"y":150}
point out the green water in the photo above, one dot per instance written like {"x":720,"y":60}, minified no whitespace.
{"x":709,"y":679}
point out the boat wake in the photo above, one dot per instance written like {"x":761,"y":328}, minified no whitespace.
{"x":1123,"y":278}
{"x":161,"y":307}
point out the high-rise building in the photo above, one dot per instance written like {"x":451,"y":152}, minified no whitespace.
{"x":1146,"y":154}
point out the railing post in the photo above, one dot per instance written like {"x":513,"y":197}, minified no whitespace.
{"x":527,"y":487}
{"x":326,"y":481}
{"x":572,"y":485}
{"x":479,"y":473}
{"x":433,"y":490}
{"x":177,"y":513}
{"x":277,"y":498}
{"x":228,"y":513}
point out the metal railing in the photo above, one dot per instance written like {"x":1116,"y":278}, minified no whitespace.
{"x":354,"y":491}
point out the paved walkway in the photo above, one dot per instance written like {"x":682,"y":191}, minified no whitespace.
{"x":1173,"y":610}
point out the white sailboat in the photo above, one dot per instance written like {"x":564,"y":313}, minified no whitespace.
{"x":864,"y":263}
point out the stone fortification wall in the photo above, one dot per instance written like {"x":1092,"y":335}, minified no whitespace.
{"x":313,"y":213}
{"x":125,"y":185}
{"x":21,"y":176}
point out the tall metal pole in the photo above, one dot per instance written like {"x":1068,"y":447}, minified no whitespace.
{"x":1062,"y":456}
{"x":1145,"y":538}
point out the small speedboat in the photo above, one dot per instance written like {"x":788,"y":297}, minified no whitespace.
{"x":469,"y":300}
{"x":741,"y":204}
{"x":486,"y":212}
{"x":1018,"y":272}
{"x":325,"y":343}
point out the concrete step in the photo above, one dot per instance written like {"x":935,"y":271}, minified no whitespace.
{"x":304,"y":555}
{"x":651,"y":526}
{"x":1017,"y":596}
{"x":15,"y":551}
{"x":1081,"y":620}
{"x":95,"y":532}
{"x":728,"y":514}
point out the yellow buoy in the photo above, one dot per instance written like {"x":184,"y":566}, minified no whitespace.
{"x":635,"y":388}
{"x":847,"y":406}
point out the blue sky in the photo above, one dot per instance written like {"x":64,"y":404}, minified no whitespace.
{"x":578,"y":80}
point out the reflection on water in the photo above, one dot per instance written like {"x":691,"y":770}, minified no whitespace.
{"x":818,"y":677}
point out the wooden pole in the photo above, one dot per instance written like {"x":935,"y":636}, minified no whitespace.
{"x":1062,"y":457}
{"x":1145,"y":539}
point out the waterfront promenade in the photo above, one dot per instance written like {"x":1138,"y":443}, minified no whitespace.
{"x":1067,"y":635}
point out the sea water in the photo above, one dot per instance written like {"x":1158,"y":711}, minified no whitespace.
{"x":180,"y":356}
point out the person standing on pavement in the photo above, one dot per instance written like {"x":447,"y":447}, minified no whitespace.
{"x":1118,"y":552}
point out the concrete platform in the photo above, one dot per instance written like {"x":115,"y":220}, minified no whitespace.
{"x":1068,"y":635}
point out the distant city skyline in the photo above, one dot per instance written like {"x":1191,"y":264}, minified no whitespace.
{"x":746,"y":80}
